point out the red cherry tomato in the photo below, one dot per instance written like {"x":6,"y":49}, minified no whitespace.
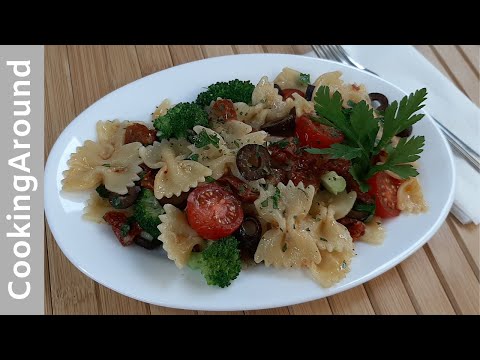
{"x":224,"y":109}
{"x":287,"y":93}
{"x":314,"y":134}
{"x":384,"y":188}
{"x":213,"y":212}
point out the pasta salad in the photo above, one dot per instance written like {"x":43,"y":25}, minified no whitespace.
{"x":289,"y":173}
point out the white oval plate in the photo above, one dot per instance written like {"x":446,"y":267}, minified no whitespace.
{"x":149,"y":276}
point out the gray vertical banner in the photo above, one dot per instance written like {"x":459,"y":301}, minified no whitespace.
{"x":22,"y":162}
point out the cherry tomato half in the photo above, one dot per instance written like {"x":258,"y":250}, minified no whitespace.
{"x":384,"y":188}
{"x":287,"y":93}
{"x":213,"y":212}
{"x":313,"y":134}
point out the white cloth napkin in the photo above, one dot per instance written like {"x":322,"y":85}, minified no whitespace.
{"x":405,"y":67}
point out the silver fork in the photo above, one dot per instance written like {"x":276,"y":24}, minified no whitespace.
{"x":338,"y":53}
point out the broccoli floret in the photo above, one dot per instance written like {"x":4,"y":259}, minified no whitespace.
{"x":146,"y":212}
{"x":235,"y":90}
{"x":219,"y":263}
{"x":179,"y":119}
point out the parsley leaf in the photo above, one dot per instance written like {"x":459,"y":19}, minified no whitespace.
{"x":304,"y":79}
{"x":275,"y":197}
{"x":360,"y":129}
{"x":209,"y":179}
{"x":399,"y":117}
{"x":204,"y":139}
{"x":407,"y":150}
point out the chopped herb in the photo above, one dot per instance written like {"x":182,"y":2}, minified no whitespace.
{"x":193,"y":157}
{"x":323,"y":239}
{"x":304,"y":79}
{"x":284,"y":247}
{"x":344,"y":265}
{"x":235,"y":142}
{"x":124,"y":230}
{"x":264,"y":203}
{"x":209,"y":179}
{"x":275,"y":197}
{"x":307,"y":229}
{"x":107,"y":165}
{"x":203,"y":139}
{"x":296,"y":140}
{"x":282,"y":144}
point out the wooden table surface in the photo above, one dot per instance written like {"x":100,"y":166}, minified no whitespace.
{"x":440,"y":278}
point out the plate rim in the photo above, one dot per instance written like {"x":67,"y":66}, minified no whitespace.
{"x":50,"y":173}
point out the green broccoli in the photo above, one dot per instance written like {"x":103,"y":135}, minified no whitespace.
{"x":179,"y":119}
{"x":219,"y":263}
{"x":146,"y":212}
{"x":235,"y":90}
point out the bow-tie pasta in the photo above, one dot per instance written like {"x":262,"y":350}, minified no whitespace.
{"x":286,"y":244}
{"x":215,"y":155}
{"x":177,"y":236}
{"x":290,"y":79}
{"x":106,"y":161}
{"x":176,"y":174}
{"x":265,"y":93}
{"x":349,"y":92}
{"x":410,"y":197}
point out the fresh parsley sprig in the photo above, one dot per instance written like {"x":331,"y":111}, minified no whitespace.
{"x":360,"y":129}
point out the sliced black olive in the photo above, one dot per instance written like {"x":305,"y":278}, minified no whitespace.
{"x":253,"y":161}
{"x":280,"y":92}
{"x":249,"y":235}
{"x":177,"y":201}
{"x":124,"y":201}
{"x":309,"y":92}
{"x":147,"y":244}
{"x":382,"y":99}
{"x":283,"y":127}
{"x":406,"y":133}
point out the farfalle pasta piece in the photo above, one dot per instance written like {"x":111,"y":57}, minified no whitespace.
{"x":349,"y":92}
{"x":218,"y":158}
{"x":152,"y":154}
{"x":253,"y":115}
{"x":93,"y":164}
{"x":290,"y":79}
{"x":291,"y":249}
{"x":287,"y":243}
{"x":238,"y":134}
{"x":302,"y":106}
{"x":162,"y":109}
{"x":333,"y":267}
{"x":111,"y":134}
{"x":374,"y":232}
{"x":328,"y":233}
{"x":341,"y":203}
{"x":410,"y":197}
{"x":177,"y":236}
{"x":176,"y":174}
{"x":265,"y":93}
{"x":97,"y":207}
